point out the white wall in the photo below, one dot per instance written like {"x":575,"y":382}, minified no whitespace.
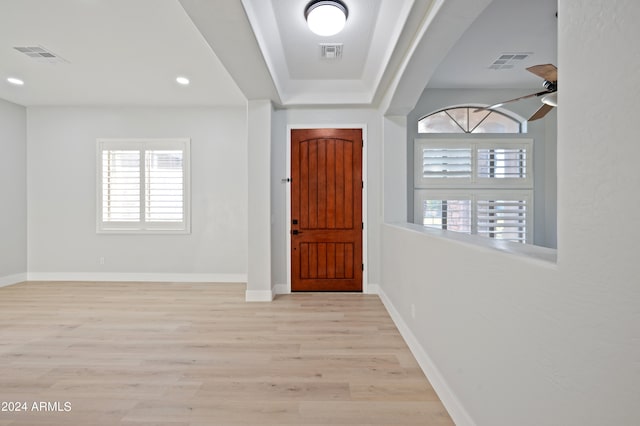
{"x":520,"y":342}
{"x":279,"y":228}
{"x":395,"y":170}
{"x":259,"y":281}
{"x":543,"y":132}
{"x":320,"y":117}
{"x":63,"y":243}
{"x":13,"y":190}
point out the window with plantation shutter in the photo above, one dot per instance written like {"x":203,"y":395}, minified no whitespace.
{"x":143,"y":185}
{"x":480,"y":186}
{"x":477,"y":212}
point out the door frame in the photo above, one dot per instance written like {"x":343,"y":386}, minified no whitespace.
{"x":365,"y":275}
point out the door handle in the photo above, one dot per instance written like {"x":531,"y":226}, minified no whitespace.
{"x":296,"y":232}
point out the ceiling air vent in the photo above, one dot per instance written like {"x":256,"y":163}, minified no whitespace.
{"x":331,"y":51}
{"x":41,"y":54}
{"x":507,"y":61}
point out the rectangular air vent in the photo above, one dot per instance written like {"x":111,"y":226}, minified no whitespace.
{"x":41,"y":54}
{"x":507,"y":61}
{"x":331,"y":51}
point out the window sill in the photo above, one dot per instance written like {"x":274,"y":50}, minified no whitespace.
{"x":543,"y":255}
{"x":113,"y":231}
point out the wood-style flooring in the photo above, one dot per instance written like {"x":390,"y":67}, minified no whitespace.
{"x":197,"y":354}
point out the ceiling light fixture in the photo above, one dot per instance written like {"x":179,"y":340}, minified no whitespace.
{"x":326,"y":18}
{"x":182,"y":80}
{"x":15,"y":81}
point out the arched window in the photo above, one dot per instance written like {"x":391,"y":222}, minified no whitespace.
{"x":469,"y":119}
{"x":474,"y":185}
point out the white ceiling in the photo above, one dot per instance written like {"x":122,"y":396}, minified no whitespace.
{"x":119,"y":52}
{"x":128,"y":52}
{"x":505,"y":26}
{"x":292,"y":52}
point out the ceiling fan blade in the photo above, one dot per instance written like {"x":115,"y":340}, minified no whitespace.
{"x":511,"y":100}
{"x":547,"y":72}
{"x":544,"y":110}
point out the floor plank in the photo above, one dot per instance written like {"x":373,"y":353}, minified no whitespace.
{"x":198,"y":354}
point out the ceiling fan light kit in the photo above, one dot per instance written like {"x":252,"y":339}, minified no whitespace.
{"x":551,"y":99}
{"x":326,"y":17}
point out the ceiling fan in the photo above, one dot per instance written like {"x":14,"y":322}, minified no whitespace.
{"x":549,"y":73}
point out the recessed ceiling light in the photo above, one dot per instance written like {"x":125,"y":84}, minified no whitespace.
{"x":326,"y":18}
{"x":15,"y":81}
{"x":182,"y":80}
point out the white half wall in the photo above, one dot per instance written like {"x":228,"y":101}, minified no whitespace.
{"x":13,"y":193}
{"x":61,"y":156}
{"x":525,"y":342}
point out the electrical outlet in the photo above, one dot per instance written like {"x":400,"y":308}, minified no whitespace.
{"x":101,"y":260}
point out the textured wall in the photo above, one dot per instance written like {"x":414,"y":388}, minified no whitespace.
{"x":524,"y":342}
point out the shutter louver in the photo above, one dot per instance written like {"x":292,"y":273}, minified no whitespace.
{"x":502,"y":219}
{"x":446,"y":163}
{"x":120,"y":186}
{"x":163,"y":186}
{"x":501,"y":163}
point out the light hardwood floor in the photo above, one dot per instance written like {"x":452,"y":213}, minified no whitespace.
{"x":197,"y":354}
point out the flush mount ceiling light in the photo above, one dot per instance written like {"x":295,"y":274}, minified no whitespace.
{"x":182,"y":80}
{"x":326,"y":18}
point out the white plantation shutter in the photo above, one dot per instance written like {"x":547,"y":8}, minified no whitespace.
{"x":504,"y":164}
{"x":143,"y":185}
{"x":164,"y":191}
{"x":504,"y":219}
{"x":438,"y":164}
{"x":482,"y":186}
{"x":120,"y":186}
{"x":442,"y":163}
{"x":477,"y":212}
{"x":451,"y":214}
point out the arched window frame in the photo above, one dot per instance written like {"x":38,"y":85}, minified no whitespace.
{"x":472,"y":204}
{"x":470,"y":126}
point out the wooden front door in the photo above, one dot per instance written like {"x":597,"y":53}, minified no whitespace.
{"x":326,"y":210}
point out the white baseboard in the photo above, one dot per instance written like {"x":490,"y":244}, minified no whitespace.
{"x":259,"y":295}
{"x":456,"y":410}
{"x":373,"y":288}
{"x":12,"y":279}
{"x":280,"y":289}
{"x":151,"y":277}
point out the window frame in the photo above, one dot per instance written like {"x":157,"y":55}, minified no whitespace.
{"x":474,"y":188}
{"x":420,"y":182}
{"x":522,"y":125}
{"x":421,"y":195}
{"x":142,"y":226}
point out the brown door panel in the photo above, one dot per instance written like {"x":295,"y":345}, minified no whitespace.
{"x":326,"y":209}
